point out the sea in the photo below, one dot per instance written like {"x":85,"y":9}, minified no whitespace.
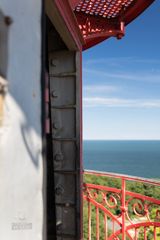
{"x":131,"y":157}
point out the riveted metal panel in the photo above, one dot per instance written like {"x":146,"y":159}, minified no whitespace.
{"x":64,"y":155}
{"x":62,"y":62}
{"x":66,"y":224}
{"x":63,"y":124}
{"x":64,"y":74}
{"x":65,"y":188}
{"x":63,"y":97}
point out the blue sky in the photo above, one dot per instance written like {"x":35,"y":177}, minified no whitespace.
{"x":121,"y":83}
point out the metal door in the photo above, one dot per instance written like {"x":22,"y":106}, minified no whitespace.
{"x":65,"y":99}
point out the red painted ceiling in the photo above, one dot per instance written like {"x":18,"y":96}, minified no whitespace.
{"x":101,"y":19}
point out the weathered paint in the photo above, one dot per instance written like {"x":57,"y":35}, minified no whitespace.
{"x":21,"y":163}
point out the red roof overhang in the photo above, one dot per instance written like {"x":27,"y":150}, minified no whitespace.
{"x":101,"y":19}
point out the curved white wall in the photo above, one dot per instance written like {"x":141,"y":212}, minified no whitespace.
{"x":21,"y":164}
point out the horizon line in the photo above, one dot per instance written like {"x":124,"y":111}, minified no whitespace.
{"x":121,"y":139}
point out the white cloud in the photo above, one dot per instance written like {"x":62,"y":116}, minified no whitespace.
{"x":140,"y":76}
{"x":100,"y":88}
{"x":120,"y":102}
{"x":121,"y":60}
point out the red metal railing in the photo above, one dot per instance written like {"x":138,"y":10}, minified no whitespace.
{"x":120,"y":207}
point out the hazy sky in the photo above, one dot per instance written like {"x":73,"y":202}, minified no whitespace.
{"x":121,"y":83}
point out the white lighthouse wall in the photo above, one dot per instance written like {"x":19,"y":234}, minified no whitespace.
{"x":21,"y":164}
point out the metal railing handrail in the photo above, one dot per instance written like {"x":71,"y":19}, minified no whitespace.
{"x":123,"y":176}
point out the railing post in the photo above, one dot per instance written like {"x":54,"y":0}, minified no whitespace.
{"x":155,"y":233}
{"x":105,"y":226}
{"x":123,"y":208}
{"x":89,"y":220}
{"x":97,"y":223}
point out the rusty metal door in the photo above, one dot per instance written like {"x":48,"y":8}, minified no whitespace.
{"x":65,"y":99}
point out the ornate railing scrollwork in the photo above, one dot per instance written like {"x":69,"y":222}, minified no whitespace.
{"x":119,"y":213}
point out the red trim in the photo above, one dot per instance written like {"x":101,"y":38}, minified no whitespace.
{"x":135,"y":10}
{"x":66,"y":8}
{"x":70,"y":20}
{"x":128,"y":15}
{"x":73,"y":3}
{"x":94,"y":42}
{"x":81,"y":147}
